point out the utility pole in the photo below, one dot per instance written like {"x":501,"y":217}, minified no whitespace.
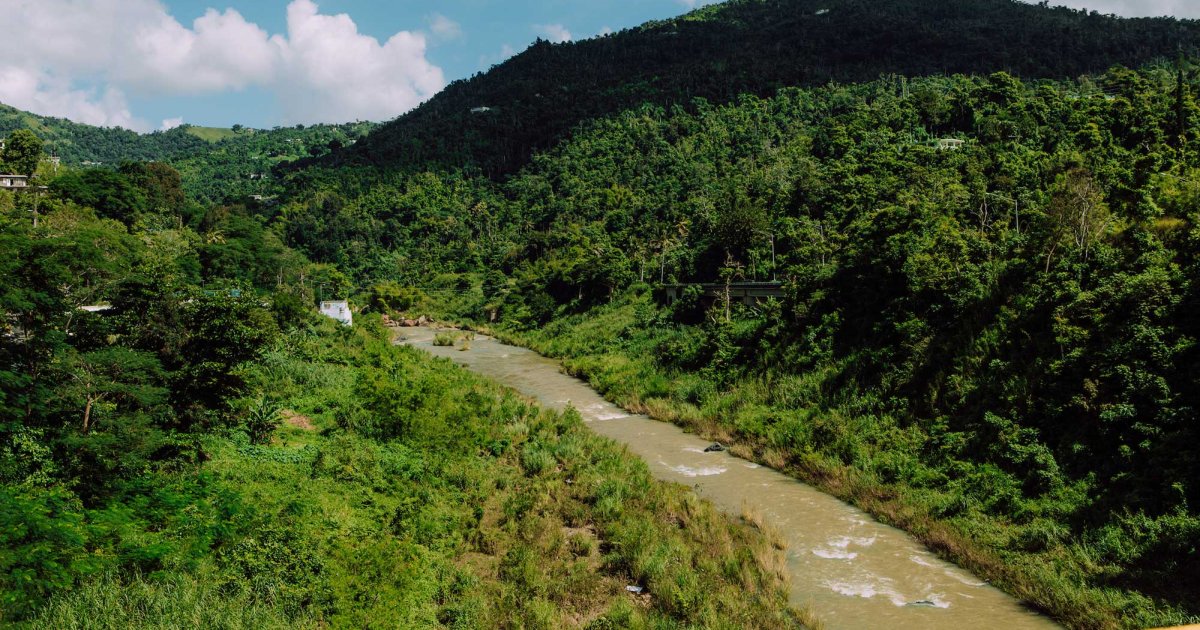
{"x":771,"y":236}
{"x":1016,"y":208}
{"x":36,"y":191}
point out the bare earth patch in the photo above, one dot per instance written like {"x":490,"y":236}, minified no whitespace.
{"x":293,"y":419}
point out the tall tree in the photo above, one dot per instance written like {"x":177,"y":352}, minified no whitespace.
{"x":23,"y":152}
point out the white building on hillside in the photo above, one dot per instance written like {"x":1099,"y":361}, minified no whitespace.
{"x":339,"y":310}
{"x":10,"y":182}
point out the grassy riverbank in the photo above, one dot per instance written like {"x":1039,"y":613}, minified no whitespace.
{"x":401,"y":491}
{"x":797,"y":424}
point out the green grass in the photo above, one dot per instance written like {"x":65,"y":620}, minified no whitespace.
{"x":403,"y":491}
{"x":211,"y":134}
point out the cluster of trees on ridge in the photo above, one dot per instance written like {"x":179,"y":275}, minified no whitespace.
{"x":724,"y":50}
{"x":218,"y":166}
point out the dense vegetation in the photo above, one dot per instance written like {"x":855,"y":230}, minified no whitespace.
{"x":219,"y":165}
{"x":995,"y":345}
{"x":198,"y":448}
{"x":725,"y":50}
{"x":992,"y":346}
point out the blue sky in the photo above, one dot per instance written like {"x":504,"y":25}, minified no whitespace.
{"x":150,"y":64}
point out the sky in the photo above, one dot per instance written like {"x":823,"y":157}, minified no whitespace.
{"x":155,"y":64}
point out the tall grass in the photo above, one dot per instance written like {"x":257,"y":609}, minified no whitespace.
{"x":432,"y":498}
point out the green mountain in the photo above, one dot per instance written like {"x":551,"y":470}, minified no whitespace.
{"x":723,"y":51}
{"x":217,"y":164}
{"x":990,"y":342}
{"x":75,"y":143}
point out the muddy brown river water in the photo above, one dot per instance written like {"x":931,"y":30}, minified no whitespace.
{"x":851,"y":570}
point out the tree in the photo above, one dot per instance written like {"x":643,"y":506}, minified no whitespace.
{"x":1078,"y":211}
{"x":161,"y":184}
{"x":226,"y":327}
{"x":23,"y":152}
{"x":115,"y":374}
{"x":111,"y":194}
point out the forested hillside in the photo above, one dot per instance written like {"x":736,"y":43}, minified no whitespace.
{"x":754,"y":47}
{"x":184,"y":442}
{"x":75,"y":143}
{"x":984,"y":217}
{"x":993,"y":346}
{"x":217,"y":164}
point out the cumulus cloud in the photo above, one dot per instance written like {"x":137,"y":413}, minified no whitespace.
{"x":1189,"y":9}
{"x":80,"y":58}
{"x":171,"y":123}
{"x":333,"y":72}
{"x":44,"y":93}
{"x":556,"y":33}
{"x":222,"y":51}
{"x":444,"y":28}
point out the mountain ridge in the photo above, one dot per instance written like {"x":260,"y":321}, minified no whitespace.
{"x":536,"y":98}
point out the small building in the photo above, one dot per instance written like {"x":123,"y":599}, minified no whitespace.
{"x":10,"y":182}
{"x":748,"y":293}
{"x":950,"y":144}
{"x":339,"y":310}
{"x":480,"y":110}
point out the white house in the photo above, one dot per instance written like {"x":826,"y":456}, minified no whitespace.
{"x":339,"y":310}
{"x":13,"y":181}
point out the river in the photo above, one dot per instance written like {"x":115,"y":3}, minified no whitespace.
{"x":850,"y":570}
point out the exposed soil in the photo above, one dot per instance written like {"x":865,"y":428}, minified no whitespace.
{"x":293,"y":419}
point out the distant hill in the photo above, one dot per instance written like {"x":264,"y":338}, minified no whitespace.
{"x":495,"y":121}
{"x":76,"y":143}
{"x":210,"y":134}
{"x":217,"y":164}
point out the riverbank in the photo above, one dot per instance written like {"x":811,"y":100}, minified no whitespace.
{"x":852,"y":571}
{"x":1030,"y":557}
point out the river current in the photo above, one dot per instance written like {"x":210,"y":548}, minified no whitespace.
{"x":852,"y":571}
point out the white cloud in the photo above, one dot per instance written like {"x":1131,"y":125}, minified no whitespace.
{"x":333,"y":72}
{"x":79,"y":58}
{"x":222,"y":51}
{"x":43,"y":93}
{"x":607,"y":30}
{"x":171,"y":123}
{"x":1136,"y":8}
{"x":556,"y":33}
{"x":444,"y":28}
